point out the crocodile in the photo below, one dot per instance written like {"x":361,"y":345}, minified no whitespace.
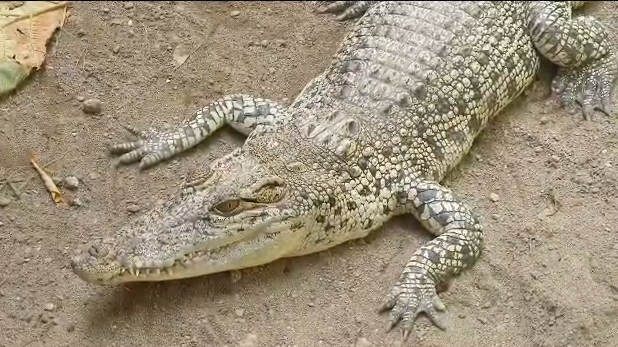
{"x":373,"y":136}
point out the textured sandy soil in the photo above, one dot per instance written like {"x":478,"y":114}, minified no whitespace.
{"x":549,"y":276}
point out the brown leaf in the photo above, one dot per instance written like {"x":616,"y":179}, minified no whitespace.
{"x":24,"y":31}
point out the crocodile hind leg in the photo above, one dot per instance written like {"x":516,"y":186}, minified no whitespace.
{"x":581,"y":48}
{"x":456,"y":248}
{"x":244,"y":113}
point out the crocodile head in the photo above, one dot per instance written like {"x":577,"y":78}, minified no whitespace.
{"x":239,"y":215}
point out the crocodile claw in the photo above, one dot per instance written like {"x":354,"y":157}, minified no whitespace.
{"x":586,"y":89}
{"x":413,"y":294}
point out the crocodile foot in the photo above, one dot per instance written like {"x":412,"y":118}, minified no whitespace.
{"x":151,"y":147}
{"x":587,"y":88}
{"x":413,"y":294}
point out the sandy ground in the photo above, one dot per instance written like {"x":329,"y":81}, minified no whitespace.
{"x":549,"y":276}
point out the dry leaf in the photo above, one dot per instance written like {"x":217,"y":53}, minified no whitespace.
{"x":49,"y":182}
{"x":24,"y":30}
{"x":180,"y":54}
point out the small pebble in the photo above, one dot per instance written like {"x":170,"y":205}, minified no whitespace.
{"x":264,"y":43}
{"x":133,"y":208}
{"x":494,"y":197}
{"x":44,"y":318}
{"x":239,"y":312}
{"x":362,"y":342}
{"x":92,"y":106}
{"x":48,"y":307}
{"x":75,"y":201}
{"x":4,"y":201}
{"x":71,"y":182}
{"x":235,"y":14}
{"x":128,"y":5}
{"x":495,"y":216}
{"x":80,"y":98}
{"x":544,"y":120}
{"x":116,"y":49}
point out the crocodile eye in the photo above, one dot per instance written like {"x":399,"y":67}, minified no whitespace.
{"x":227,"y":207}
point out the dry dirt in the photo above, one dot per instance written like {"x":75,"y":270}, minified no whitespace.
{"x":549,"y":276}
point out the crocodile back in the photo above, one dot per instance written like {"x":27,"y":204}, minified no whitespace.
{"x":414,"y":83}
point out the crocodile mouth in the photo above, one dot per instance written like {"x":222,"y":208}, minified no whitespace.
{"x":173,"y":268}
{"x":258,"y":246}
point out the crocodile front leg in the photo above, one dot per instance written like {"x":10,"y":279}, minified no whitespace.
{"x":588,"y":69}
{"x":244,"y":113}
{"x":456,"y":248}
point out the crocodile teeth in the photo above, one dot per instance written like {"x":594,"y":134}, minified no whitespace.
{"x":168,"y":271}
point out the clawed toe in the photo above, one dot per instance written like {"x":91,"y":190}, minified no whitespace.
{"x":126,"y":147}
{"x":133,"y":130}
{"x":585,"y":90}
{"x":132,"y":156}
{"x":407,"y":301}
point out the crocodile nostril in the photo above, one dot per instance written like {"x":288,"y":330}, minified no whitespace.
{"x":98,"y":251}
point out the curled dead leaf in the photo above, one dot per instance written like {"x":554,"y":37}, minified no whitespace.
{"x":48,"y":181}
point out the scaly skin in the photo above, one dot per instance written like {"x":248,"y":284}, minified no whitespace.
{"x":409,"y":90}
